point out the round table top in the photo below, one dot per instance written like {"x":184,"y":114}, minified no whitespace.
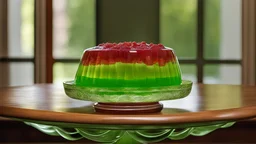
{"x":205,"y":103}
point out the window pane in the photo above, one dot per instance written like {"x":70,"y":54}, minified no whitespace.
{"x":222,"y":29}
{"x":222,"y":74}
{"x":64,"y":72}
{"x":20,"y":28}
{"x":188,"y":72}
{"x":16,"y":73}
{"x":73,"y":27}
{"x":178,"y":26}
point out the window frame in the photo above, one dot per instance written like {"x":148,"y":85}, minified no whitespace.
{"x":249,"y":42}
{"x":43,"y":58}
{"x":3,"y":40}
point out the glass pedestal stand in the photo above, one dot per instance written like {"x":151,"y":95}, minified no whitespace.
{"x":126,"y":133}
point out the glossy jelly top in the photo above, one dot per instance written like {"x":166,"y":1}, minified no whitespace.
{"x":128,"y":52}
{"x":128,"y":64}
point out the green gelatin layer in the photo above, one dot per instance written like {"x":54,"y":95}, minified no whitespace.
{"x":128,"y":75}
{"x":85,"y":81}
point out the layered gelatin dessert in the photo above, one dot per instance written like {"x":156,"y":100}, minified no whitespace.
{"x":128,"y":64}
{"x":128,"y":72}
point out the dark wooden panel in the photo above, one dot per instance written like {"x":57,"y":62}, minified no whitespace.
{"x":127,"y":21}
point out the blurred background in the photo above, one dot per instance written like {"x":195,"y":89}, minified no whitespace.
{"x":42,"y":41}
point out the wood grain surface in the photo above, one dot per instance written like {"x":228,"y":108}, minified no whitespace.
{"x":205,"y":103}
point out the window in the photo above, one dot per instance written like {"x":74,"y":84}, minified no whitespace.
{"x":73,"y":31}
{"x":205,"y":34}
{"x":17,"y":62}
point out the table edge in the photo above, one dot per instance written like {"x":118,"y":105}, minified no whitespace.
{"x":233,"y":114}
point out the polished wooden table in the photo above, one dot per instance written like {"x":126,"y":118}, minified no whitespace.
{"x":207,"y":108}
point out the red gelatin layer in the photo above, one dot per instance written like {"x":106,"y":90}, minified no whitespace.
{"x":128,"y":52}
